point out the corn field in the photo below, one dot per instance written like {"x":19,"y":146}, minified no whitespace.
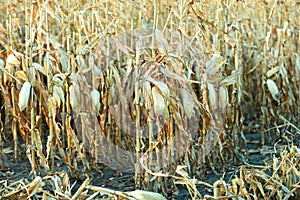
{"x":163,"y":90}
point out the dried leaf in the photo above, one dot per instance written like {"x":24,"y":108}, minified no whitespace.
{"x":163,"y":87}
{"x":2,"y":63}
{"x":273,"y":90}
{"x":73,"y":96}
{"x":145,"y":195}
{"x":95,"y":94}
{"x":229,"y":80}
{"x":39,"y":68}
{"x":211,"y":67}
{"x":81,"y":62}
{"x":64,"y":60}
{"x":58,"y":79}
{"x":212,"y":96}
{"x":58,"y":95}
{"x":162,"y":43}
{"x":125,"y":49}
{"x":223,"y":98}
{"x":81,"y":189}
{"x":147,"y":95}
{"x":33,"y":187}
{"x":24,"y":95}
{"x":260,"y":187}
{"x":188,"y":103}
{"x":159,"y":102}
{"x":48,"y":62}
{"x":297,"y":66}
{"x":20,"y":74}
{"x":180,"y":170}
{"x":50,"y":11}
{"x":11,"y":59}
{"x":32,"y":76}
{"x":272,"y":71}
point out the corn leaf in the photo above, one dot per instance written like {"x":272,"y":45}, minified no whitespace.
{"x":11,"y":59}
{"x":95,"y":94}
{"x":212,"y":96}
{"x":24,"y":95}
{"x":159,"y":102}
{"x":273,"y":89}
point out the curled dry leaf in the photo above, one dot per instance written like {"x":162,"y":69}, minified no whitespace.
{"x":21,"y":75}
{"x":11,"y":59}
{"x":58,"y":80}
{"x":272,"y":71}
{"x":24,"y":95}
{"x":73,"y":96}
{"x":229,"y":80}
{"x":163,"y":87}
{"x":40,"y":68}
{"x":63,"y":60}
{"x":273,"y":90}
{"x":58,"y":95}
{"x":181,"y":171}
{"x":212,"y":96}
{"x":145,"y":195}
{"x":95,"y":94}
{"x":159,"y":102}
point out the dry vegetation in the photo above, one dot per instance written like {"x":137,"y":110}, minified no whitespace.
{"x":164,"y":89}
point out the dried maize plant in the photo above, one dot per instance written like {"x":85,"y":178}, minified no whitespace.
{"x":265,"y":61}
{"x":228,"y":40}
{"x":221,"y":88}
{"x":216,"y":93}
{"x":152,"y":87}
{"x":38,"y":86}
{"x":10,"y":63}
{"x":280,"y":67}
{"x":160,"y":135}
{"x":24,"y":94}
{"x":251,"y":183}
{"x":255,"y":45}
{"x":140,"y":86}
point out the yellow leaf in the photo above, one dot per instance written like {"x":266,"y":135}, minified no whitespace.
{"x":272,"y":71}
{"x":20,"y":74}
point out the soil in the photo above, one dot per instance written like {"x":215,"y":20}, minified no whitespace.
{"x":16,"y":170}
